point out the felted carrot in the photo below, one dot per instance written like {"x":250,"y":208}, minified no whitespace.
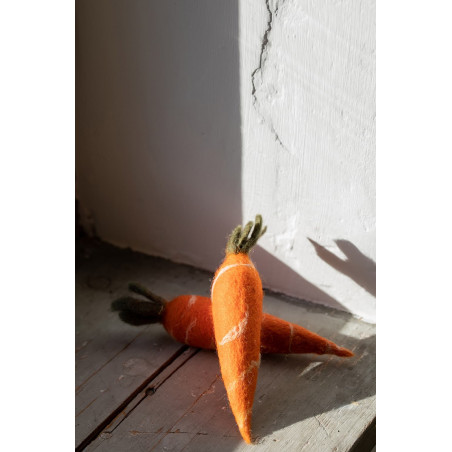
{"x":188,"y":319}
{"x":237,"y":295}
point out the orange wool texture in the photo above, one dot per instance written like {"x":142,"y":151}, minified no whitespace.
{"x":279,"y":336}
{"x":188,"y":318}
{"x":237,"y":315}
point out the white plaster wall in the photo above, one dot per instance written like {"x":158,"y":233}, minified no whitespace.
{"x":308,"y":145}
{"x":158,"y":154}
{"x":195,"y":115}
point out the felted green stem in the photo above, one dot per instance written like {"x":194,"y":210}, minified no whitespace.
{"x":136,"y":311}
{"x":239,"y":242}
{"x":141,"y":290}
{"x":244,"y":235}
{"x":142,"y":307}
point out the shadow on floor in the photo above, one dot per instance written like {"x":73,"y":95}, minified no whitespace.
{"x":313,"y":385}
{"x":290,"y":388}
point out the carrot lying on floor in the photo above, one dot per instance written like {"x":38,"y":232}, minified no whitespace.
{"x":188,"y":318}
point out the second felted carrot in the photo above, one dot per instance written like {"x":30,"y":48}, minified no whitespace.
{"x":237,"y":317}
{"x":188,"y":319}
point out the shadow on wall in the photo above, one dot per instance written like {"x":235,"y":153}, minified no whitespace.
{"x":290,"y":278}
{"x":356,"y":266}
{"x":158,"y":152}
{"x":346,"y":382}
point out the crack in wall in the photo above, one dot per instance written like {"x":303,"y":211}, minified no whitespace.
{"x":263,"y":49}
{"x":258,"y":71}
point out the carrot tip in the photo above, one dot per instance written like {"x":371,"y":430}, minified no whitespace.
{"x":344,"y":352}
{"x":246,"y":435}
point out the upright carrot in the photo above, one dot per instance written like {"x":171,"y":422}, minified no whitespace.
{"x":237,"y":317}
{"x":188,"y":319}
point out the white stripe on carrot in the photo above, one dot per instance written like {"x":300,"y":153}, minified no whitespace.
{"x":253,"y":364}
{"x":228,"y":267}
{"x":242,"y":424}
{"x":235,"y":331}
{"x":192,"y":299}
{"x":192,"y":324}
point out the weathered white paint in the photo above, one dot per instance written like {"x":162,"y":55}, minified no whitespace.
{"x":308,"y":141}
{"x":194,"y":116}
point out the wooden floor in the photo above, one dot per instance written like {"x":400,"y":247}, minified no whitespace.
{"x":139,"y":390}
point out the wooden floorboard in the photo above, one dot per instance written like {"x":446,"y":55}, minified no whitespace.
{"x":113,"y":359}
{"x":137,"y":389}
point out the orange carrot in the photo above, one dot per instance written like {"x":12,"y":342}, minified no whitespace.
{"x":237,"y":317}
{"x":188,"y":319}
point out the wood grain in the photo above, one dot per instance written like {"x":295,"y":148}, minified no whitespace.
{"x":159,"y":395}
{"x":113,"y":359}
